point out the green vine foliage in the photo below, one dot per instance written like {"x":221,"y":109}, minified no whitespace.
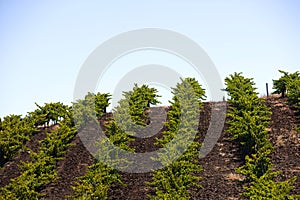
{"x":248,"y":119}
{"x":294,"y":96}
{"x":264,"y":188}
{"x":284,"y":84}
{"x":256,"y":165}
{"x":99,"y":177}
{"x":291,"y":83}
{"x":294,"y":91}
{"x":14,"y":132}
{"x":101,"y":103}
{"x":50,"y":112}
{"x":175,"y":180}
{"x":1,"y":124}
{"x":90,"y":108}
{"x":41,"y":170}
{"x":174,"y":114}
{"x":139,"y":100}
{"x":96,"y":182}
{"x":129,"y":113}
{"x":248,"y":114}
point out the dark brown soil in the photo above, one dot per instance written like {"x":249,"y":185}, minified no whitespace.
{"x":74,"y":165}
{"x":218,"y":178}
{"x":286,"y":141}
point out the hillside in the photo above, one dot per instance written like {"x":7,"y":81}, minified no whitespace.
{"x":218,"y":177}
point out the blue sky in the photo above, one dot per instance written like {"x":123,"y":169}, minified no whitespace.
{"x":43,"y":44}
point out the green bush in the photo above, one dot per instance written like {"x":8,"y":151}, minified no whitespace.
{"x":0,"y":124}
{"x":256,"y":165}
{"x":140,"y":99}
{"x":41,"y":170}
{"x":99,"y":177}
{"x":90,"y":108}
{"x":248,"y":115}
{"x":96,"y":182}
{"x":265,"y":188}
{"x":50,"y":112}
{"x":15,"y":131}
{"x":248,"y":119}
{"x":291,"y":82}
{"x":283,"y":84}
{"x":175,"y":180}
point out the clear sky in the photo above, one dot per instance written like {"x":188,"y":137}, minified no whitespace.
{"x":43,"y":44}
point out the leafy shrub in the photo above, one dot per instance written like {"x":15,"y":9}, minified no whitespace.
{"x":175,"y":180}
{"x":256,"y":165}
{"x":41,"y":170}
{"x":50,"y":112}
{"x":90,"y":108}
{"x":99,"y":177}
{"x":96,"y":182}
{"x":265,"y":188}
{"x":140,"y":99}
{"x":291,"y":82}
{"x":281,"y":85}
{"x":248,"y":120}
{"x":15,"y":131}
{"x":248,"y":114}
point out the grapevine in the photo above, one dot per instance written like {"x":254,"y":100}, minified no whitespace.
{"x":249,"y":118}
{"x":175,"y":180}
